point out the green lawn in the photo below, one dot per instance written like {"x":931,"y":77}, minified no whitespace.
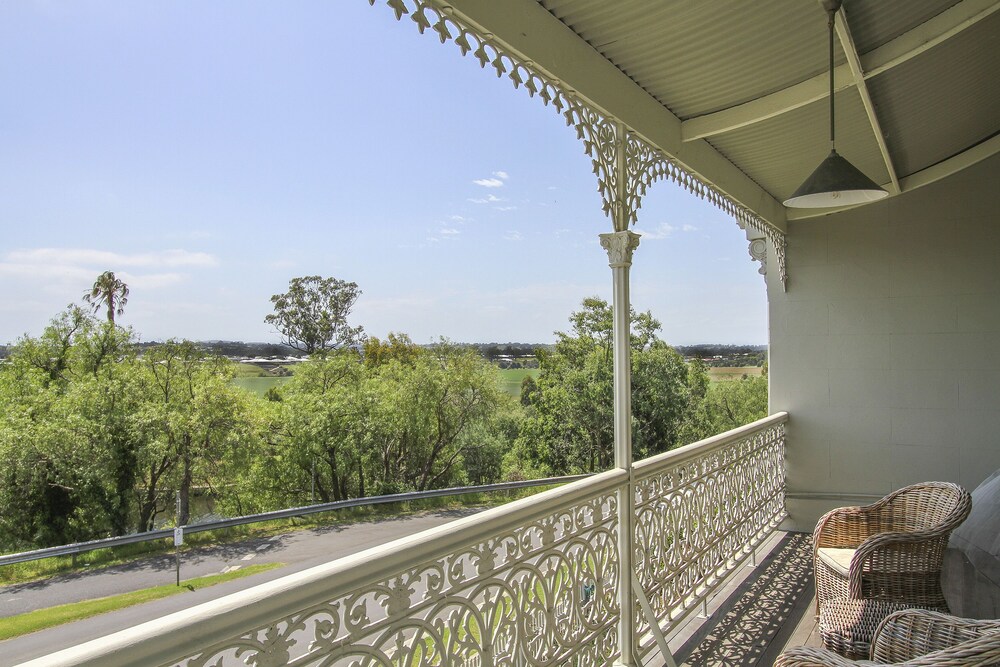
{"x":724,"y":373}
{"x":511,"y":379}
{"x":33,"y":621}
{"x":260,"y":385}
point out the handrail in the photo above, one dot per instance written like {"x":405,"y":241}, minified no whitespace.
{"x":152,"y":535}
{"x":677,"y":456}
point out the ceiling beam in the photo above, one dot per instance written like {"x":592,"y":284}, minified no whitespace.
{"x":536,"y":36}
{"x":851,"y":52}
{"x":910,"y":44}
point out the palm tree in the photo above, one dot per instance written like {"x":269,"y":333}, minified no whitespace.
{"x":108,"y":291}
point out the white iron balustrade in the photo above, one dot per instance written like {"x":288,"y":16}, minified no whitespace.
{"x":701,"y":510}
{"x":533,"y":582}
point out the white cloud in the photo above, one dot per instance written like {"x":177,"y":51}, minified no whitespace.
{"x":689,"y":228}
{"x":103,"y":258}
{"x":451,"y":231}
{"x":506,"y":208}
{"x":513,"y":235}
{"x":489,"y":182}
{"x":498,"y":177}
{"x":458,"y":218}
{"x":490,"y":199}
{"x":662,"y":231}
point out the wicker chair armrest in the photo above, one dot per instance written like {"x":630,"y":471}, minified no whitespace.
{"x":843,"y":527}
{"x":881,"y":542}
{"x":929,"y":636}
{"x":807,"y":656}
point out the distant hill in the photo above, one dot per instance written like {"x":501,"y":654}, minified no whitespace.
{"x":239,"y":349}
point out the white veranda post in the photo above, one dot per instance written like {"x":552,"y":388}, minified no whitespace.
{"x":620,"y":246}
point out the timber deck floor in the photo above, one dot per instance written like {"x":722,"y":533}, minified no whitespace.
{"x":752,"y":621}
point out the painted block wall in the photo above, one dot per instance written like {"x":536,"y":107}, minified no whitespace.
{"x":885,"y":348}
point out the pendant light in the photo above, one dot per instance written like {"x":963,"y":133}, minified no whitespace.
{"x":835,"y":182}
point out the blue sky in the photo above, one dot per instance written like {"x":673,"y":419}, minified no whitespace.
{"x":209,"y":152}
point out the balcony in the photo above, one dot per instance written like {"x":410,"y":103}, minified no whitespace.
{"x":884,"y":331}
{"x":537,"y":581}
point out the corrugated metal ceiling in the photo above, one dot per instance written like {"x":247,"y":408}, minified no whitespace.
{"x":780,"y":152}
{"x":875,"y":23}
{"x":697,"y":58}
{"x":943,"y":100}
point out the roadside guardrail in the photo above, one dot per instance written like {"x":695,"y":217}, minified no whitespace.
{"x":165,"y":533}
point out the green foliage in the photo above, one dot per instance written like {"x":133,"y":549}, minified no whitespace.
{"x":569,"y":426}
{"x":96,"y":439}
{"x":399,"y":418}
{"x":312,"y":315}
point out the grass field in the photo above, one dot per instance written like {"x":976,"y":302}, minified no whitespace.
{"x":511,"y":379}
{"x":250,"y":371}
{"x":722,"y":374}
{"x":33,"y":621}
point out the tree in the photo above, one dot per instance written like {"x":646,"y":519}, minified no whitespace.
{"x":570,"y":423}
{"x":312,"y":315}
{"x":69,"y":434}
{"x":108,"y":291}
{"x":196,"y":417}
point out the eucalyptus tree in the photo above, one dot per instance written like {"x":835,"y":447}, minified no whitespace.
{"x":570,"y":422}
{"x":108,"y":292}
{"x":312,"y":315}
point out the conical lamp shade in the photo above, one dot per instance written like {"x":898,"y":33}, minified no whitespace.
{"x":835,"y":182}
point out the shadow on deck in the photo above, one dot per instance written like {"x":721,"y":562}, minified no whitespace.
{"x":756,"y":618}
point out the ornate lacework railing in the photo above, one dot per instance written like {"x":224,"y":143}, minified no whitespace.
{"x":533,"y":582}
{"x":701,"y":510}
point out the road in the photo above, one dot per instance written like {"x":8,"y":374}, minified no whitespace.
{"x":299,"y":550}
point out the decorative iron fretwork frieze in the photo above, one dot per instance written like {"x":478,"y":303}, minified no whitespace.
{"x":623,"y":162}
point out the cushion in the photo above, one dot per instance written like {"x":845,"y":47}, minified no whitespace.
{"x":838,"y":560}
{"x":970,"y":577}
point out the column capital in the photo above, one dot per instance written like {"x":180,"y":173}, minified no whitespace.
{"x":620,"y":246}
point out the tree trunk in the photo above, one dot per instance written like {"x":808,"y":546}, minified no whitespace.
{"x":186,"y":480}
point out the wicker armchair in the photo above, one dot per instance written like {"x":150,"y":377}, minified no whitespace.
{"x":915,"y":638}
{"x":891,"y":550}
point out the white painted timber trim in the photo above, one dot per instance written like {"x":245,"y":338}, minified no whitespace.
{"x":854,"y":61}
